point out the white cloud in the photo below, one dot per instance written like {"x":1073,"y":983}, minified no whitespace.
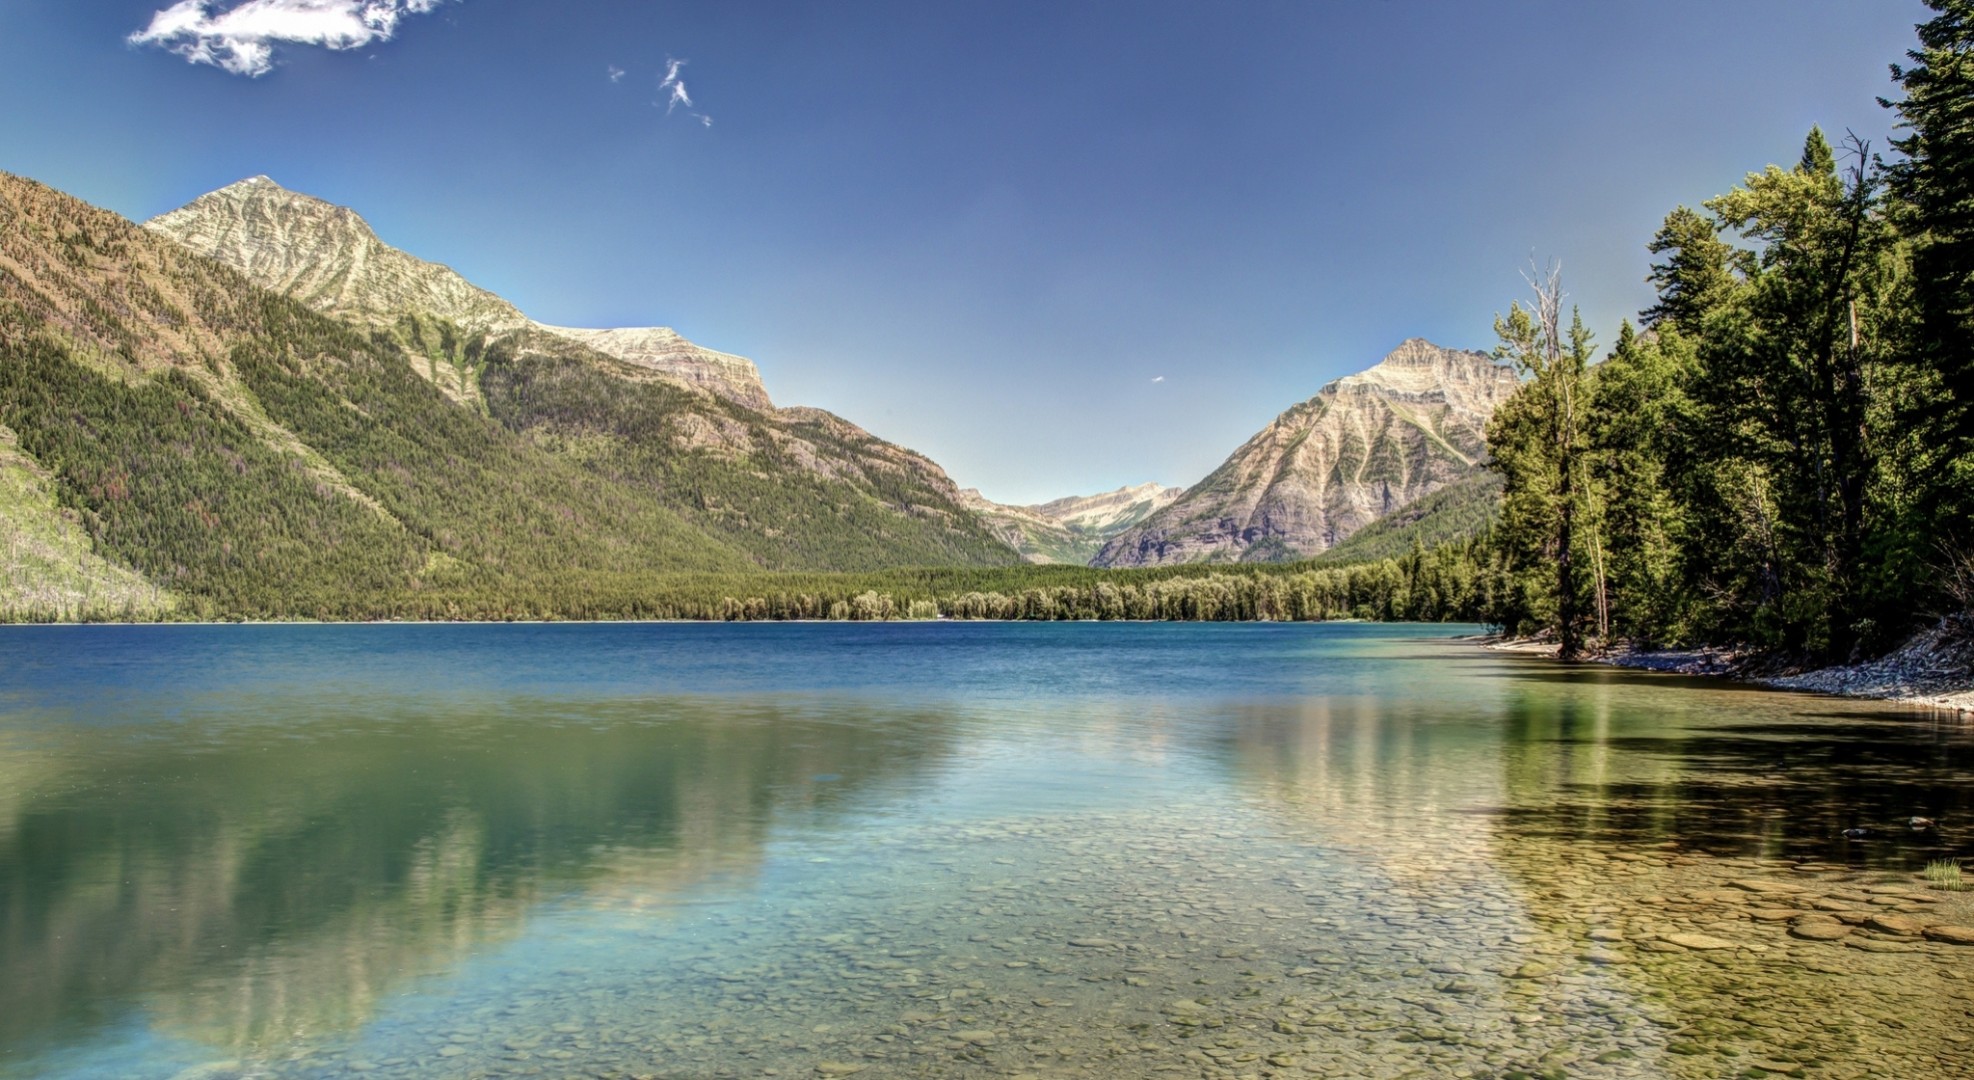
{"x":240,"y":36}
{"x":675,"y":94}
{"x":1158,"y":378}
{"x":616,"y":73}
{"x":676,"y":85}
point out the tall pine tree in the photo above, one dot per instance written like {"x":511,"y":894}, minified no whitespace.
{"x":1935,"y":184}
{"x":1538,"y":438}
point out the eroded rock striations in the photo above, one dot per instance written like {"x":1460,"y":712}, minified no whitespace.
{"x":1363,"y":447}
{"x":329,"y":258}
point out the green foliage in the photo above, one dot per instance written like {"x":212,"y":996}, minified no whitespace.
{"x":49,"y":570}
{"x":1539,"y":442}
{"x":171,"y":482}
{"x":1933,"y":188}
{"x":1786,"y":457}
{"x":1697,"y":271}
{"x":1455,"y":514}
{"x":1945,"y":874}
{"x":809,"y":493}
{"x":1639,"y":411}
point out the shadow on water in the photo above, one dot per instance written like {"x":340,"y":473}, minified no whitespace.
{"x":1618,"y":758}
{"x":1776,"y":775}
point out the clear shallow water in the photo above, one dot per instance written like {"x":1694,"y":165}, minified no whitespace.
{"x":953,"y":850}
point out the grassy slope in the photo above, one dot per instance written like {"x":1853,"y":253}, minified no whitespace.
{"x":49,"y":571}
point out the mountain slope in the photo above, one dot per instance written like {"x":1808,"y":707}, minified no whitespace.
{"x":796,"y":488}
{"x":644,"y":409}
{"x":1364,"y":446}
{"x":1073,"y":529}
{"x":49,"y":569}
{"x":328,"y":257}
{"x":1454,"y":514}
{"x":262,"y":459}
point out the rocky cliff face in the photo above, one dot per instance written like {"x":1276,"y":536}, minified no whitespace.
{"x":662,"y":350}
{"x":1069,"y":530}
{"x":328,"y":257}
{"x":1364,"y":446}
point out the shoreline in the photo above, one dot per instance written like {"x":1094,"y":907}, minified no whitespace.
{"x":1928,"y":671}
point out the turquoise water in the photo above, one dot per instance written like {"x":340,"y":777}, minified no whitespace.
{"x":953,"y":849}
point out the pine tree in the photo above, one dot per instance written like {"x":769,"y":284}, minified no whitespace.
{"x":1697,"y":273}
{"x":1538,"y":441}
{"x":1935,"y":184}
{"x":1787,"y":378}
{"x":1640,"y":419}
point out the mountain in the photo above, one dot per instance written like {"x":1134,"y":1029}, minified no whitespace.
{"x":256,"y":458}
{"x":1456,"y":513}
{"x":1366,"y":445}
{"x":1073,"y":529}
{"x":642,"y":408}
{"x":329,"y":258}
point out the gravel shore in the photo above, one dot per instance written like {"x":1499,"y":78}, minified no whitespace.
{"x":1934,"y":669}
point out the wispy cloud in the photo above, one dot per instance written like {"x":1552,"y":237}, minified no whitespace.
{"x":616,"y":73}
{"x":1158,"y":378}
{"x":673,"y":87}
{"x":240,"y":36}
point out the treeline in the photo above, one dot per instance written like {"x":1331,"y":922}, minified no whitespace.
{"x":1447,"y":583}
{"x":1783,"y":453}
{"x":1440,"y":585}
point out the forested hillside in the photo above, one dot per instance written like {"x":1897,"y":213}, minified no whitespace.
{"x":799,"y":489}
{"x":260,"y":459}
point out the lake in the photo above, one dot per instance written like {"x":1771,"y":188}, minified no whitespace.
{"x":955,"y":849}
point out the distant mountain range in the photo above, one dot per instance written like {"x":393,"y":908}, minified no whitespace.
{"x":255,"y":399}
{"x":1070,"y":530}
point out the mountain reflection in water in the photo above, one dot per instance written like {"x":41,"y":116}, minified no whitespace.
{"x":934,"y":850}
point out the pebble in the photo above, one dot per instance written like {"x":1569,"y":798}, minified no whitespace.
{"x":1951,"y":935}
{"x":1819,"y":930}
{"x":1699,"y":942}
{"x":1251,"y":957}
{"x":1894,"y":924}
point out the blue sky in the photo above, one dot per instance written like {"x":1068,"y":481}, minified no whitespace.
{"x":982,"y":230}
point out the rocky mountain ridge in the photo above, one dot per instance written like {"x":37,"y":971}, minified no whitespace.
{"x":1071,"y":529}
{"x":642,"y":406}
{"x":1364,"y":446}
{"x":328,"y":257}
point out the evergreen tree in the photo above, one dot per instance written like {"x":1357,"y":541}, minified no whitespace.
{"x":1787,"y":373}
{"x":1697,"y":273}
{"x":1538,"y":441}
{"x":1639,"y":416}
{"x":1935,"y":183}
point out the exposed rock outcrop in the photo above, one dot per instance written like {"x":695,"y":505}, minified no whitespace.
{"x":1364,"y":446}
{"x":329,"y":258}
